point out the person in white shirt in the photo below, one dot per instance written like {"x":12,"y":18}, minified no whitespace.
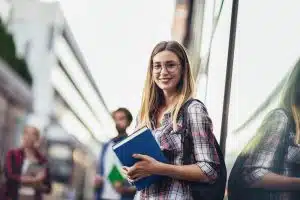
{"x":104,"y":189}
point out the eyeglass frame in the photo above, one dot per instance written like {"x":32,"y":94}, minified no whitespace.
{"x":176,"y":64}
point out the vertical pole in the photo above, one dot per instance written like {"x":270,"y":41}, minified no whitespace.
{"x":230,"y":59}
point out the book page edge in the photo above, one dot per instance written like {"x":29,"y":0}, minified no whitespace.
{"x":138,"y":132}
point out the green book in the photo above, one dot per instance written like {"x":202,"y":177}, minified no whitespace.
{"x":115,"y":175}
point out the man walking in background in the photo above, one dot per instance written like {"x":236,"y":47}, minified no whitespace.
{"x":105,"y":190}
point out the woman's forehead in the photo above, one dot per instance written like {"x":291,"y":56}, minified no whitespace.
{"x":165,"y":56}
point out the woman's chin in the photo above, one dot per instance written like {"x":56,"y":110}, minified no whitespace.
{"x":168,"y":89}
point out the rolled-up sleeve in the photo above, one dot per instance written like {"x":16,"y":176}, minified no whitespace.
{"x":267,"y":146}
{"x":204,"y":146}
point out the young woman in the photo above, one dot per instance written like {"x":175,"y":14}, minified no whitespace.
{"x":169,"y":85}
{"x":269,"y":166}
{"x":21,"y":183}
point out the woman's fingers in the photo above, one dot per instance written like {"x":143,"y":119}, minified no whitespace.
{"x":138,"y":176}
{"x":131,"y":170}
{"x":130,"y":180}
{"x":124,"y":170}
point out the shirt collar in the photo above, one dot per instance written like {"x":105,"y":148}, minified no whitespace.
{"x":166,"y":119}
{"x":119,"y":138}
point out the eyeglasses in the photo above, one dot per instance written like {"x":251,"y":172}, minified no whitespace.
{"x":171,"y":67}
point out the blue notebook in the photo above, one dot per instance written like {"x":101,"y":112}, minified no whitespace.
{"x":140,"y":142}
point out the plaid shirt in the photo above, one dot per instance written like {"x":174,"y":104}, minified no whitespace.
{"x":205,"y":155}
{"x":13,"y":167}
{"x":271,"y":150}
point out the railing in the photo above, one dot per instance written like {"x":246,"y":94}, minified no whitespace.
{"x":13,"y":87}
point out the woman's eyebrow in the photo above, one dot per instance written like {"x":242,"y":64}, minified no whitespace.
{"x":168,"y":61}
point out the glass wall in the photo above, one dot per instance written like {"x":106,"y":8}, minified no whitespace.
{"x":217,"y":68}
{"x":267,"y":47}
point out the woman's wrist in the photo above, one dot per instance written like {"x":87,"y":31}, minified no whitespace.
{"x":296,"y":183}
{"x":161,"y":168}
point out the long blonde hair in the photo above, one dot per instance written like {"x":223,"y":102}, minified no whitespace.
{"x":291,"y":98}
{"x":153,"y":96}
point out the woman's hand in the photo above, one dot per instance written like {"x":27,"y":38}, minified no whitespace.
{"x":143,"y":168}
{"x":125,"y":170}
{"x":27,"y":179}
{"x":40,"y":176}
{"x":34,"y":180}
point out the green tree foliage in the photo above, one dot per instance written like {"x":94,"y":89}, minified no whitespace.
{"x":8,"y":54}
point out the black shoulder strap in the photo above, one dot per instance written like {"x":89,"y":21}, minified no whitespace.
{"x":187,"y":139}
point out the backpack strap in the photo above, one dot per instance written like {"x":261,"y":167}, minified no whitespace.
{"x":187,"y":139}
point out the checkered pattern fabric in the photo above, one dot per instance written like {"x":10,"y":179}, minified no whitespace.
{"x":272,"y":150}
{"x":205,"y":155}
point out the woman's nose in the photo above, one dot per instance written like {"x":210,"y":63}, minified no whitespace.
{"x":164,"y":70}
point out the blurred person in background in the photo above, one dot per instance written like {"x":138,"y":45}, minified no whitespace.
{"x":26,"y":170}
{"x":104,"y":189}
{"x":268,"y":168}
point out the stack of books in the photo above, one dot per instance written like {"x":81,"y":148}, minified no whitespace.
{"x":140,"y":142}
{"x":27,"y":192}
